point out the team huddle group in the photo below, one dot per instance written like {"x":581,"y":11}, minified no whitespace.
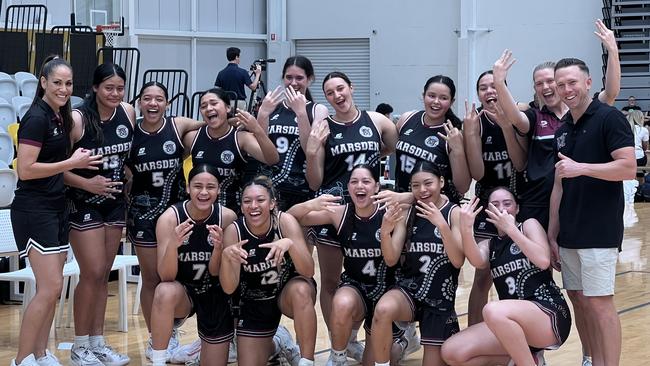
{"x":233,"y":244}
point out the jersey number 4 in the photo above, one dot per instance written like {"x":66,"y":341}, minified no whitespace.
{"x":352,"y":162}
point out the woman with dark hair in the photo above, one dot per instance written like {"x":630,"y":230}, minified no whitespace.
{"x":288,"y":123}
{"x":432,"y":135}
{"x":104,"y":125}
{"x":38,"y":215}
{"x":494,"y":156}
{"x":429,"y":242}
{"x":531,"y":314}
{"x":267,"y":259}
{"x":226,"y":147}
{"x":156,"y":166}
{"x":189,"y":253}
{"x":336,"y":144}
{"x":367,"y":276}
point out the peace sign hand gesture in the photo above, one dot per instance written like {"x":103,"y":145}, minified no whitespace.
{"x":271,"y":101}
{"x":452,"y":135}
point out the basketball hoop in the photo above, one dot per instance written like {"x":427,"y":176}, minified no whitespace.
{"x":111,"y":32}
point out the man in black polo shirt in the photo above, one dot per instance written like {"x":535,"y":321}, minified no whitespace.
{"x":595,"y":148}
{"x":233,"y":78}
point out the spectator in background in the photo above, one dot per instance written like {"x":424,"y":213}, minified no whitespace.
{"x":631,"y":105}
{"x":641,"y":137}
{"x":385,"y":109}
{"x":233,"y":78}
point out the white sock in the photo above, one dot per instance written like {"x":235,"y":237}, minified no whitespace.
{"x":382,"y":363}
{"x":159,"y":357}
{"x":96,"y":341}
{"x":305,"y":362}
{"x":339,"y":355}
{"x":81,"y":341}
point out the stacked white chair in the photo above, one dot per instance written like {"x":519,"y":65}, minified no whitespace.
{"x":21,"y":105}
{"x":27,"y":83}
{"x":6,"y":149}
{"x":7,"y":114}
{"x":8,"y":88}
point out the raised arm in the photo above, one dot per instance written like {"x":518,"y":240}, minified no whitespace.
{"x":255,"y":141}
{"x":500,"y":69}
{"x":322,"y":210}
{"x":215,"y":235}
{"x":231,"y":260}
{"x":472,"y":141}
{"x":613,"y":75}
{"x":171,"y":235}
{"x":477,"y":254}
{"x":450,"y":238}
{"x":315,"y":154}
{"x":299,"y":252}
{"x":269,"y":103}
{"x":516,"y":151}
{"x":457,"y":158}
{"x":185,"y":125}
{"x":532,"y":241}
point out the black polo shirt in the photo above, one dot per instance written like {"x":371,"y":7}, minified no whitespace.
{"x":233,"y":78}
{"x":40,"y":127}
{"x":591,"y":210}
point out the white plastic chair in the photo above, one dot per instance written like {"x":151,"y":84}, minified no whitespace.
{"x":27,"y":83}
{"x":4,"y":75}
{"x":7,"y":114}
{"x":8,"y":181}
{"x":6,"y":148}
{"x":8,"y":89}
{"x":76,"y":101}
{"x":8,"y":247}
{"x":21,"y":105}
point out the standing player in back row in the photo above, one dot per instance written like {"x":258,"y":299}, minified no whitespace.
{"x":489,"y":140}
{"x":433,"y":135}
{"x":104,"y":125}
{"x":156,"y":166}
{"x":336,"y":144}
{"x":288,"y":123}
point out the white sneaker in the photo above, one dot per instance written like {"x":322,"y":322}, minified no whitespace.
{"x":82,"y":356}
{"x":410,"y":341}
{"x":232,"y":351}
{"x":586,"y":361}
{"x":288,"y":349}
{"x":355,"y":350}
{"x":331,"y":362}
{"x":186,"y":353}
{"x":171,"y":346}
{"x":48,"y":360}
{"x":110,"y":357}
{"x":30,"y":360}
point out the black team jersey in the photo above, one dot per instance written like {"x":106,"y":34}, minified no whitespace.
{"x":156,"y":161}
{"x":224,"y":154}
{"x":118,"y":136}
{"x":426,"y":269}
{"x":289,"y":173}
{"x":498,"y":169}
{"x":419,"y":142}
{"x":349,"y":144}
{"x":363,"y":261}
{"x":261,"y":279}
{"x":194,"y":255}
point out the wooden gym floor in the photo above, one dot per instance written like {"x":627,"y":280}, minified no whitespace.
{"x":632,"y":301}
